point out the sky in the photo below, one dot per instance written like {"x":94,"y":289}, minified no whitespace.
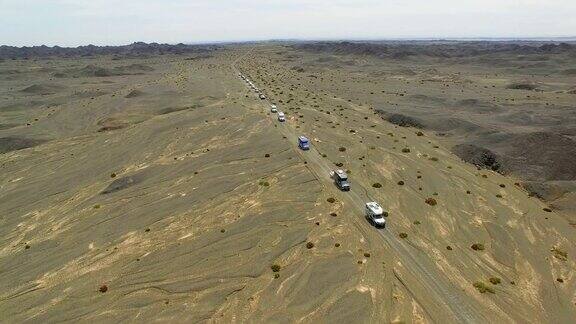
{"x":118,"y":22}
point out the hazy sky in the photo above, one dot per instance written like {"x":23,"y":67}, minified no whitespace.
{"x":81,"y":22}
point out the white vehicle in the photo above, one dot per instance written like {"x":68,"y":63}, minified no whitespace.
{"x":262,"y":96}
{"x":281,"y":117}
{"x":375,"y":214}
{"x":273,"y":108}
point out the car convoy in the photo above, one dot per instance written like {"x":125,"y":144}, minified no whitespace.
{"x":373,"y":211}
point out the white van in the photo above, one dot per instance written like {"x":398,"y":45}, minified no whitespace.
{"x":281,"y":117}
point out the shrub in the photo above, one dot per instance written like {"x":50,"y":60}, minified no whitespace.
{"x":502,"y":185}
{"x":333,"y":214}
{"x":276,"y":275}
{"x":435,"y":159}
{"x":113,"y":175}
{"x":275,"y":267}
{"x":366,"y":254}
{"x":222,"y":231}
{"x":431,"y":201}
{"x":483,"y":288}
{"x":498,"y":196}
{"x":377,"y":185}
{"x":419,"y":133}
{"x":309,"y":245}
{"x":400,"y":183}
{"x":405,"y":150}
{"x":477,"y":247}
{"x":560,"y":280}
{"x":403,"y":235}
{"x":331,"y":200}
{"x":103,"y":289}
{"x":96,"y":206}
{"x":342,"y":149}
{"x":559,"y":254}
{"x":264,"y":183}
{"x":416,"y":222}
{"x":546,"y":209}
{"x":339,"y":164}
{"x":495,"y":280}
{"x":449,"y":248}
{"x":337,"y":245}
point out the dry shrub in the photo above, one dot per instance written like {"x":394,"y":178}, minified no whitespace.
{"x":431,"y":201}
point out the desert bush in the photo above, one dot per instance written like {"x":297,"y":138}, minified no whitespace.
{"x":477,"y":247}
{"x":546,"y":209}
{"x":339,"y":164}
{"x":96,"y":206}
{"x":113,"y":175}
{"x":495,"y":280}
{"x":502,"y":185}
{"x":377,"y":185}
{"x":333,"y":214}
{"x":309,"y":245}
{"x":560,"y":280}
{"x":337,"y":245}
{"x":419,"y":133}
{"x":435,"y":159}
{"x":431,"y":201}
{"x":403,"y":235}
{"x":449,"y":248}
{"x":275,"y":268}
{"x":559,"y":254}
{"x":103,"y":289}
{"x":483,"y":288}
{"x":267,"y":155}
{"x":498,"y":196}
{"x":366,"y":254}
{"x":264,"y":183}
{"x":416,"y":222}
{"x":405,"y":150}
{"x":400,"y":183}
{"x":342,"y":149}
{"x":331,"y":200}
{"x":276,"y":275}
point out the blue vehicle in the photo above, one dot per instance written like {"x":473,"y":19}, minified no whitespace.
{"x":303,"y":143}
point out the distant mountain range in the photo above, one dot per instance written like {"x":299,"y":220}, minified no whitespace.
{"x":134,"y":49}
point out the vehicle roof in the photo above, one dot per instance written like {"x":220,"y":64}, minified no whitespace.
{"x":374,"y":207}
{"x":303,"y":138}
{"x":280,"y":114}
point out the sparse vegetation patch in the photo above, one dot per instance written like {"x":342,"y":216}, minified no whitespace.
{"x":483,"y":288}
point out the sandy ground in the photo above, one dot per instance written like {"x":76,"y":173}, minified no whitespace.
{"x":168,"y":192}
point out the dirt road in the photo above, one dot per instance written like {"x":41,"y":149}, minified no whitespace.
{"x":446,"y":298}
